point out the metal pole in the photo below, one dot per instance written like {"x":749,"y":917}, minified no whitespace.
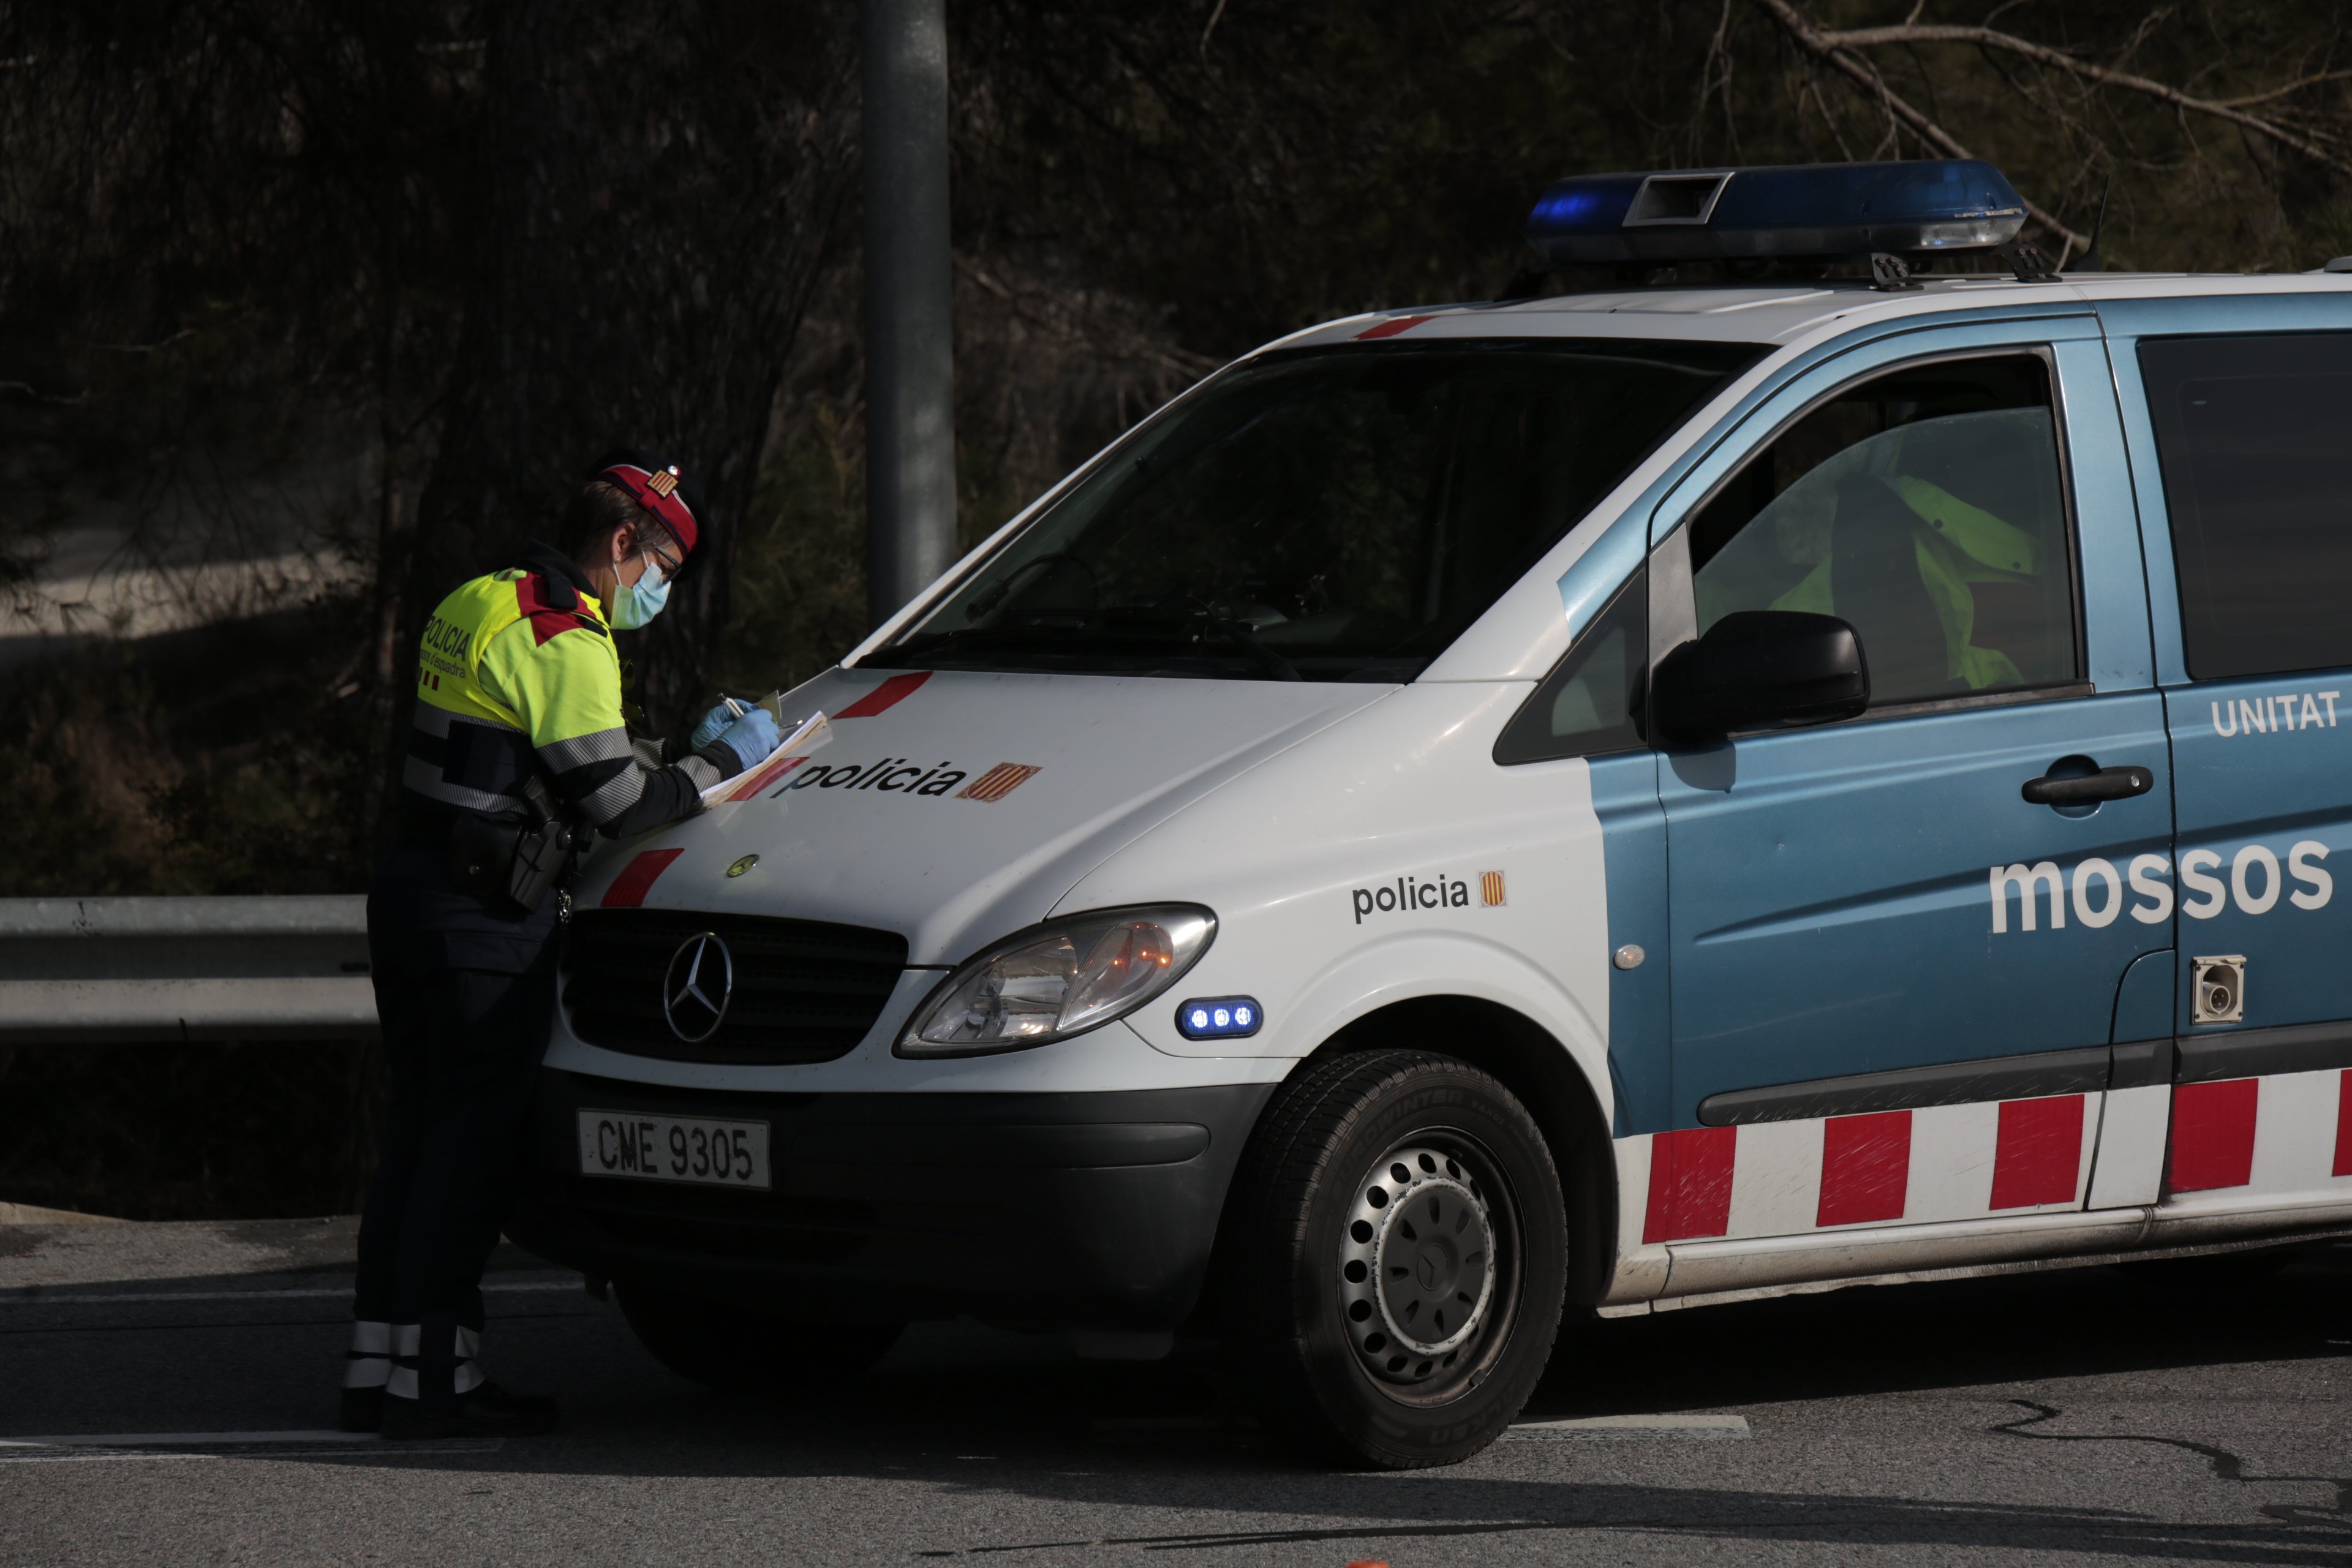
{"x":910,"y":312}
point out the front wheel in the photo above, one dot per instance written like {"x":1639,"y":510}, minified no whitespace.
{"x":1395,"y":1257}
{"x":735,"y":1349}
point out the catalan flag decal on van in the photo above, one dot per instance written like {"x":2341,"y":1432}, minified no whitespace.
{"x":998,"y":781}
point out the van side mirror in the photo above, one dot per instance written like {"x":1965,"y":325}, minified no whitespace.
{"x":1761,"y":669}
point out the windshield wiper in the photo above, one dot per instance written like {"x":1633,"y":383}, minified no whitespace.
{"x":925,"y":643}
{"x":1241,"y":637}
{"x":1237,"y":633}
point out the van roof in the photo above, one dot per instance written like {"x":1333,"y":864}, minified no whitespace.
{"x":1784,"y":312}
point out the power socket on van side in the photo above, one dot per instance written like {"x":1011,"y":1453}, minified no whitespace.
{"x":2220,"y":990}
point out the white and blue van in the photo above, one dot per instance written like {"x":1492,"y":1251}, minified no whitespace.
{"x":1662,"y":794}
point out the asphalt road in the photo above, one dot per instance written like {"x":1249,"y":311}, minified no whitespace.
{"x":2077,"y":1415}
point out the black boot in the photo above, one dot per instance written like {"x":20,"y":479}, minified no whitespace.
{"x":362,"y":1410}
{"x":445,"y":1395}
{"x":488,"y":1411}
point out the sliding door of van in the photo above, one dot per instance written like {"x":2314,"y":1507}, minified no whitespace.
{"x":2243,"y":416}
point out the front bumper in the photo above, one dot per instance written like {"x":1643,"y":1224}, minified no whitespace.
{"x":1029,"y":1211}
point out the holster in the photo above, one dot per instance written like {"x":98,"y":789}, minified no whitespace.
{"x":522,"y":862}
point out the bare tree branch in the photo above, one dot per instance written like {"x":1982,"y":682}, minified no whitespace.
{"x":1822,"y":102}
{"x":1715,"y":84}
{"x":1214,"y":18}
{"x":1823,"y":47}
{"x":2309,"y":145}
{"x":2276,"y":93}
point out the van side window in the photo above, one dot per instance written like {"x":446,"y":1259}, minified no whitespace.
{"x":2254,"y":438}
{"x":1925,"y":508}
{"x":1592,"y":702}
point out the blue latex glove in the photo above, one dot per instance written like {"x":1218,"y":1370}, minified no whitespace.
{"x":714,"y":724}
{"x":752,"y":739}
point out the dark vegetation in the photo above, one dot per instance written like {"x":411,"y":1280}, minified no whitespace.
{"x":356,"y":286}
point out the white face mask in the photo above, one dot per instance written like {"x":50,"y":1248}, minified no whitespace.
{"x":635,"y":603}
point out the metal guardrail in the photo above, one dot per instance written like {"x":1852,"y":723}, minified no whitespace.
{"x":91,"y":971}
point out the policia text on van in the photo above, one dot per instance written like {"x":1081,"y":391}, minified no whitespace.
{"x":1737,"y":637}
{"x":519,"y":744}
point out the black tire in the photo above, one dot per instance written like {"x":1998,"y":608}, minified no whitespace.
{"x":1339,"y":1359}
{"x":735,"y":1349}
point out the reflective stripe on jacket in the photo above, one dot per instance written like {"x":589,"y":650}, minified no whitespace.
{"x":517,"y":672}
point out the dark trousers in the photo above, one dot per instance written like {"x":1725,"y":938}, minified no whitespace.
{"x":466,"y":990}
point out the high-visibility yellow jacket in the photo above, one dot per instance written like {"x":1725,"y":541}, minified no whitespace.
{"x":516,"y":674}
{"x":1957,"y":544}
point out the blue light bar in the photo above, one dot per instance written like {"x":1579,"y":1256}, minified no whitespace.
{"x":1219,"y":1017}
{"x":1796,"y":210}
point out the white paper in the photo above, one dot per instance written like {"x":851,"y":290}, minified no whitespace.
{"x":813,"y":733}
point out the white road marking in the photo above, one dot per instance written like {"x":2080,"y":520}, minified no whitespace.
{"x":182,"y":1439}
{"x":209,"y":1445}
{"x":96,"y":1457}
{"x":1673,"y":1424}
{"x":343,"y":1290}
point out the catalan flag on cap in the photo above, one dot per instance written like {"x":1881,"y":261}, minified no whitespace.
{"x":661,"y":487}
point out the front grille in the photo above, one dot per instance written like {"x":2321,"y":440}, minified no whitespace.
{"x":805,"y":991}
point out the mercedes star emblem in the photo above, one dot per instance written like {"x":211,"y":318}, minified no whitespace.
{"x":694,"y":992}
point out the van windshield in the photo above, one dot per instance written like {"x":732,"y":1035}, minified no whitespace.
{"x":1332,"y":514}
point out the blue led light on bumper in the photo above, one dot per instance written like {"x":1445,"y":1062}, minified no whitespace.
{"x":1931,"y":205}
{"x":1219,"y":1017}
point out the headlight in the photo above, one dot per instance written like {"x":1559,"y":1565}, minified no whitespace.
{"x":1059,"y":979}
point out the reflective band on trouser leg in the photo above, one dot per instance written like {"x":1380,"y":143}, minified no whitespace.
{"x":368,"y":1363}
{"x":402,"y":1384}
{"x":469,"y":1372}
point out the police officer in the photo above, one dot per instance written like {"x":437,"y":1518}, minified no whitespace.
{"x":518,"y":743}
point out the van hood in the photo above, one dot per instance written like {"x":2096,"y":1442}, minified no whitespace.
{"x":956,"y":806}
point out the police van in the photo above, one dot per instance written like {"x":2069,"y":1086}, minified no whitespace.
{"x":1617,"y":799}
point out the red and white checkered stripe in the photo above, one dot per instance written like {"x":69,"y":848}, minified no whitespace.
{"x":2288,"y":1133}
{"x":2291,"y":1132}
{"x":1888,"y":1167}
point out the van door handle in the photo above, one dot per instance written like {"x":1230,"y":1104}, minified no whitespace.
{"x":2108,"y":783}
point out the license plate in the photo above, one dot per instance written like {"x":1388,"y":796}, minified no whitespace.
{"x":674,"y":1149}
